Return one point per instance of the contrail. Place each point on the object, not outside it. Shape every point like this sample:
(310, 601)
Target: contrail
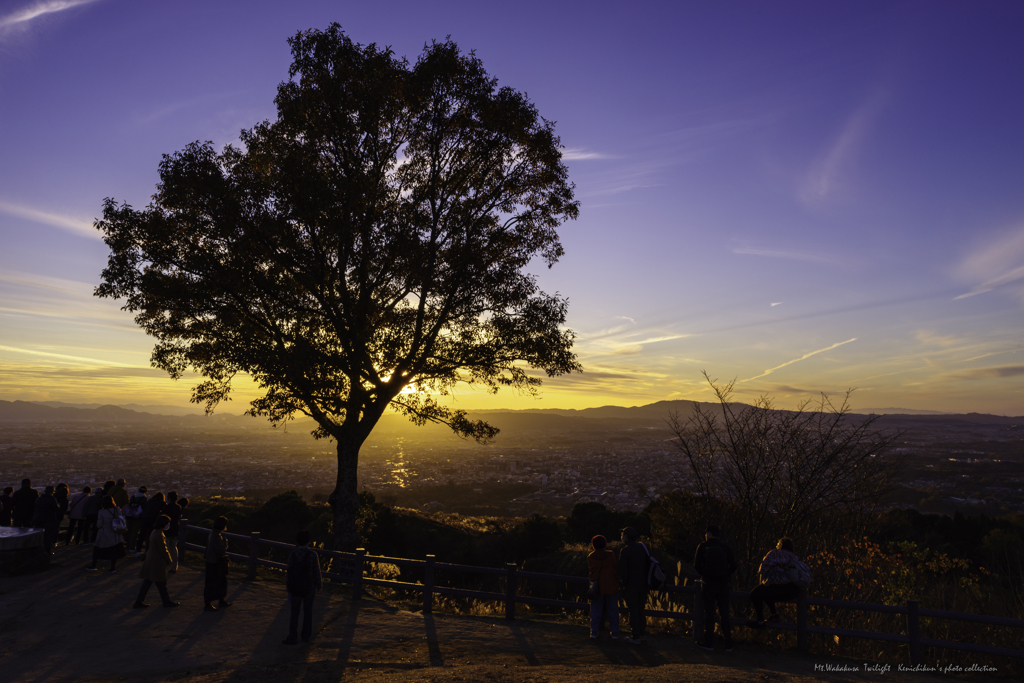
(797, 360)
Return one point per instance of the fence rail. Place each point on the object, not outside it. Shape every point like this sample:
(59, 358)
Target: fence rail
(356, 565)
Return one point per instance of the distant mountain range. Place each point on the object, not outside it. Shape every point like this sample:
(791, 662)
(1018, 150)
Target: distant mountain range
(650, 415)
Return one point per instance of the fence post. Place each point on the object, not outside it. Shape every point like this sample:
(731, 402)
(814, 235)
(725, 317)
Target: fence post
(357, 573)
(801, 620)
(254, 553)
(914, 632)
(182, 539)
(698, 610)
(510, 591)
(428, 585)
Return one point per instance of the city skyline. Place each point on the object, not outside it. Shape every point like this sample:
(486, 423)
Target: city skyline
(801, 197)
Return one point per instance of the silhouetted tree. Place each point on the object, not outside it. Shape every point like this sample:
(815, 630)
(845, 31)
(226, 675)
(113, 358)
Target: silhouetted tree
(366, 250)
(785, 472)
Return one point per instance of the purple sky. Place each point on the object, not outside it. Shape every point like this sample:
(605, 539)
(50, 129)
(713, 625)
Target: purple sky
(803, 196)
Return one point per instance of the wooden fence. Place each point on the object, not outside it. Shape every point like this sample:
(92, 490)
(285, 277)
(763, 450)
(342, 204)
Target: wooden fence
(356, 563)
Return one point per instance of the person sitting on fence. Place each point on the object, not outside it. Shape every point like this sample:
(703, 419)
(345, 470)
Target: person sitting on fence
(109, 544)
(216, 587)
(154, 567)
(777, 581)
(715, 563)
(304, 581)
(604, 587)
(633, 577)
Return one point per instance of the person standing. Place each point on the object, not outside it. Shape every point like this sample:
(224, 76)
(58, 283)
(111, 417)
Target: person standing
(216, 587)
(6, 506)
(109, 543)
(154, 508)
(776, 580)
(24, 500)
(303, 583)
(133, 514)
(45, 514)
(92, 513)
(76, 515)
(715, 563)
(61, 494)
(633, 578)
(603, 578)
(173, 510)
(154, 567)
(119, 494)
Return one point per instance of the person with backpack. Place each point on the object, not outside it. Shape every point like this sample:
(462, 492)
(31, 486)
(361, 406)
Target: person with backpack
(633, 560)
(92, 513)
(303, 583)
(715, 563)
(604, 587)
(780, 580)
(109, 543)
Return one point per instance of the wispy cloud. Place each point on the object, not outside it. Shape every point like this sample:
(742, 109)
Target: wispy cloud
(993, 265)
(580, 154)
(78, 226)
(997, 372)
(777, 303)
(803, 357)
(825, 178)
(783, 254)
(65, 357)
(21, 18)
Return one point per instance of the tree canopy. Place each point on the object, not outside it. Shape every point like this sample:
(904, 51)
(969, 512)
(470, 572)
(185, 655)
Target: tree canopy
(366, 249)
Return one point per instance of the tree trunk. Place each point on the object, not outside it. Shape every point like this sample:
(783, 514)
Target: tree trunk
(345, 498)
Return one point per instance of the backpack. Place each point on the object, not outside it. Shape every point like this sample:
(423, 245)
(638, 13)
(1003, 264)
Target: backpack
(655, 574)
(716, 563)
(119, 524)
(800, 574)
(135, 507)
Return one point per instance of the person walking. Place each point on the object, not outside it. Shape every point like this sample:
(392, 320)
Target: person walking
(604, 587)
(777, 582)
(715, 563)
(303, 583)
(76, 515)
(633, 579)
(216, 587)
(154, 567)
(6, 506)
(109, 543)
(45, 515)
(24, 500)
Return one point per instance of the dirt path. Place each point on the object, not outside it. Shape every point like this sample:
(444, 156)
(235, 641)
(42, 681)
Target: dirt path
(66, 624)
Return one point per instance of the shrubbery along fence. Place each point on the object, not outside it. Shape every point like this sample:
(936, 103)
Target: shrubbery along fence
(354, 565)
